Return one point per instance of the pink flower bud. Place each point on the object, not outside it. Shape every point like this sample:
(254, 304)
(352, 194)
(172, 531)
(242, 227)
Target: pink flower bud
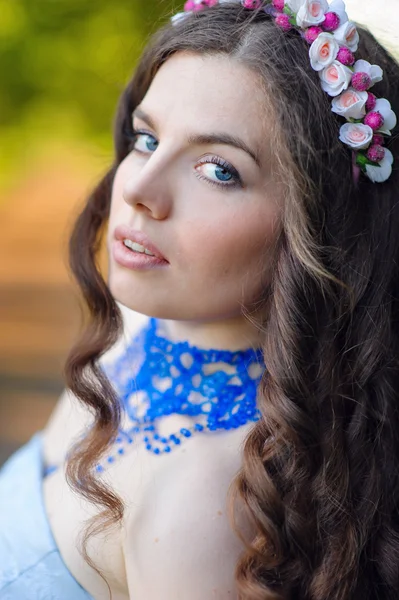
(331, 21)
(283, 21)
(252, 3)
(312, 33)
(195, 6)
(378, 140)
(375, 153)
(371, 101)
(279, 4)
(374, 119)
(345, 56)
(361, 81)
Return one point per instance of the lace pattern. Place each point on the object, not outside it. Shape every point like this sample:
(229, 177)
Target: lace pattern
(156, 377)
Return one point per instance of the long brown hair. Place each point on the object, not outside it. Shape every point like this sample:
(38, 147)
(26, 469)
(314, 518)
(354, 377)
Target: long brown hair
(320, 473)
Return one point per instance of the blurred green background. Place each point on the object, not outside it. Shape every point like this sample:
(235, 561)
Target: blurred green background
(63, 64)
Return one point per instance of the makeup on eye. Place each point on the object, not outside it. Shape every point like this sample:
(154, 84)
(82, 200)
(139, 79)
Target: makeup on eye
(223, 167)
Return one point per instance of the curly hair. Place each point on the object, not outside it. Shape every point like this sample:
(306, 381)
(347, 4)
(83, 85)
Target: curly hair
(320, 472)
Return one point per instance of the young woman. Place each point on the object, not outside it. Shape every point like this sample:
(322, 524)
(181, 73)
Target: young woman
(251, 218)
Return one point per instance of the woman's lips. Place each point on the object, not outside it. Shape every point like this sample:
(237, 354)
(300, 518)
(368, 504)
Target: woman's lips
(135, 260)
(124, 232)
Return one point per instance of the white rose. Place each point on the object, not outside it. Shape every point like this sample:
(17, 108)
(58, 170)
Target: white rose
(347, 35)
(338, 6)
(384, 107)
(311, 13)
(335, 78)
(383, 172)
(373, 71)
(323, 51)
(294, 5)
(351, 104)
(356, 135)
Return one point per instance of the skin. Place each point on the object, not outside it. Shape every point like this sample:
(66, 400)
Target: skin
(219, 241)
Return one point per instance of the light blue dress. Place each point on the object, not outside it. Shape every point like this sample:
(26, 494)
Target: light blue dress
(31, 567)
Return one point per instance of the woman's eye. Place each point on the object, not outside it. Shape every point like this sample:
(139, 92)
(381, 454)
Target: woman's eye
(218, 172)
(213, 170)
(141, 141)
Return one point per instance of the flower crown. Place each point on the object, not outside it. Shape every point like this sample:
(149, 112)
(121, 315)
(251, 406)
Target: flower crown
(333, 41)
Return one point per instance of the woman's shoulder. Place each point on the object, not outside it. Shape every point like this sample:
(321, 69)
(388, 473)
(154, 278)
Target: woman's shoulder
(69, 419)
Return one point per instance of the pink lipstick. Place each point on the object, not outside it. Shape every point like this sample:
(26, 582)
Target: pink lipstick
(134, 249)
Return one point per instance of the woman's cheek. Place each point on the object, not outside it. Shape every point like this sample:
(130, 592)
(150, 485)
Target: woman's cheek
(225, 250)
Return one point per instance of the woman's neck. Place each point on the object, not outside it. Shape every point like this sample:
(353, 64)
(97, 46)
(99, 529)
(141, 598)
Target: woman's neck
(235, 333)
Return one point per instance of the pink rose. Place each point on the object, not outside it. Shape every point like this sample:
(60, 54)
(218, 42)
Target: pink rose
(323, 51)
(356, 135)
(347, 35)
(312, 12)
(335, 78)
(350, 104)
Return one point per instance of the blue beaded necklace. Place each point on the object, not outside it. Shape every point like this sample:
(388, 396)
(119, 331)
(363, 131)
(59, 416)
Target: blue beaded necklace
(216, 389)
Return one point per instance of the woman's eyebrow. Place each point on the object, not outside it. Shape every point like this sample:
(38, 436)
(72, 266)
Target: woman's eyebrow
(205, 138)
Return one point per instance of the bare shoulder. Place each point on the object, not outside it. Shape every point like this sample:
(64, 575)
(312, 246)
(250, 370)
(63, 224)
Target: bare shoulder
(70, 418)
(182, 530)
(66, 423)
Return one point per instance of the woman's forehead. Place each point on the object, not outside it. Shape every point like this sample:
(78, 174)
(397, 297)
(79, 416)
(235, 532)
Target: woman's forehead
(210, 81)
(205, 93)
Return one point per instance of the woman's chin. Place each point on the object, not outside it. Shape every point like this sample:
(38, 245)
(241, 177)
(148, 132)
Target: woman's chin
(139, 301)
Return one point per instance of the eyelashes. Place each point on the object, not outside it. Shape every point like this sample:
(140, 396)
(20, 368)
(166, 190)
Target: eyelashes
(223, 168)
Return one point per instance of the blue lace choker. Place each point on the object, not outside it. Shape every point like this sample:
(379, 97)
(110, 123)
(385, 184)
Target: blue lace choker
(156, 377)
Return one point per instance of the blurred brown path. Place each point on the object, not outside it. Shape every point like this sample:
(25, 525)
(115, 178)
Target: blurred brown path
(39, 314)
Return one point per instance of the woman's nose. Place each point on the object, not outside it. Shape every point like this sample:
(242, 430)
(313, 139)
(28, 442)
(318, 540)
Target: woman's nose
(149, 192)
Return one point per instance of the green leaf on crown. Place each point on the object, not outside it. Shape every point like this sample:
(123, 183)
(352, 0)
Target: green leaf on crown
(362, 161)
(289, 12)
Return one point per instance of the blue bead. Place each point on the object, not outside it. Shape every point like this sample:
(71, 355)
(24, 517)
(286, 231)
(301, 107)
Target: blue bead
(156, 436)
(111, 459)
(121, 451)
(167, 449)
(148, 446)
(198, 427)
(156, 451)
(185, 432)
(99, 468)
(146, 438)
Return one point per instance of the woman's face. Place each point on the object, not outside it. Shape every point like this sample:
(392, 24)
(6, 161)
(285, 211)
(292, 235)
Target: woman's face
(210, 206)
